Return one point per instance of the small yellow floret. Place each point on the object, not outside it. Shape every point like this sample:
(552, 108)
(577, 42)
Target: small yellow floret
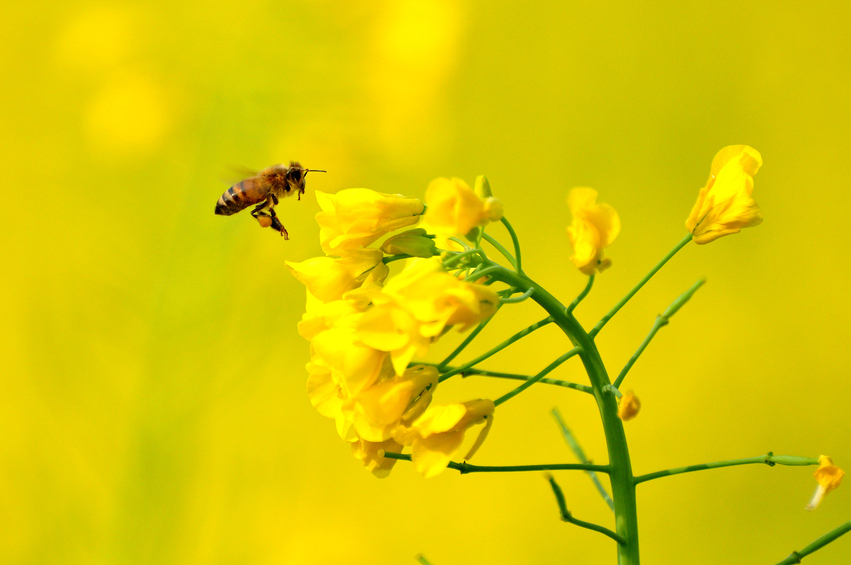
(724, 206)
(595, 226)
(455, 209)
(828, 476)
(628, 406)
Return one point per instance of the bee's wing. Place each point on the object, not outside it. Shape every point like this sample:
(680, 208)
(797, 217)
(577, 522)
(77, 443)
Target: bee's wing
(235, 174)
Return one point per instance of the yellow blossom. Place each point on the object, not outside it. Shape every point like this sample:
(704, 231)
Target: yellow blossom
(455, 209)
(356, 217)
(829, 476)
(724, 205)
(389, 327)
(595, 227)
(438, 434)
(353, 365)
(414, 308)
(438, 299)
(628, 406)
(327, 396)
(371, 454)
(319, 316)
(328, 278)
(378, 409)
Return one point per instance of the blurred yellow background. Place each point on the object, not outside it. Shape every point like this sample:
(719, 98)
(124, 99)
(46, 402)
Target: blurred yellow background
(153, 405)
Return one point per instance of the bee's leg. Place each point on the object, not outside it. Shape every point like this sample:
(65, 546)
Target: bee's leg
(263, 217)
(277, 225)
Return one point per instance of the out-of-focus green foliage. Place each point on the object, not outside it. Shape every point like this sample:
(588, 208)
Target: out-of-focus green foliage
(152, 389)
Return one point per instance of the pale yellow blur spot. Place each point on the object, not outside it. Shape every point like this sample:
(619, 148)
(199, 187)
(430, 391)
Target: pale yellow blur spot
(128, 116)
(416, 54)
(96, 40)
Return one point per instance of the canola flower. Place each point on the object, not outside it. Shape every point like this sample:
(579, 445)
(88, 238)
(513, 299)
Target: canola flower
(724, 205)
(595, 227)
(371, 322)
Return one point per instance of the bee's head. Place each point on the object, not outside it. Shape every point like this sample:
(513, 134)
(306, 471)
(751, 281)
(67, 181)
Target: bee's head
(296, 174)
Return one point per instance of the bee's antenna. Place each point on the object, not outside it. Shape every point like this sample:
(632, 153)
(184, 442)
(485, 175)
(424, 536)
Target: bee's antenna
(313, 170)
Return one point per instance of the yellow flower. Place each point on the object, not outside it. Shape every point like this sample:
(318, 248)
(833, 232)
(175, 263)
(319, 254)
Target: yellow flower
(327, 396)
(371, 454)
(319, 316)
(595, 226)
(455, 209)
(438, 299)
(356, 217)
(377, 410)
(829, 476)
(353, 365)
(328, 278)
(628, 406)
(390, 328)
(724, 205)
(414, 308)
(438, 434)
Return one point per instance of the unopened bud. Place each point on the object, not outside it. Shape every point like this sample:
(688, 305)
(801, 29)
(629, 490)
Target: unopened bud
(412, 242)
(483, 187)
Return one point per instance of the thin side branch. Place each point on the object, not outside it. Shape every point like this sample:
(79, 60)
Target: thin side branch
(568, 517)
(769, 459)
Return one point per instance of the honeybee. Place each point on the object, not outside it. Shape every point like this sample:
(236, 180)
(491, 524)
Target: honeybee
(265, 189)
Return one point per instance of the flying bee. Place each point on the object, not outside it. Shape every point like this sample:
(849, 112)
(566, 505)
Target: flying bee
(265, 189)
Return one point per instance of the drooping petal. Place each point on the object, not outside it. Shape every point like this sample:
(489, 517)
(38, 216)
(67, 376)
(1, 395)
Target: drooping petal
(724, 205)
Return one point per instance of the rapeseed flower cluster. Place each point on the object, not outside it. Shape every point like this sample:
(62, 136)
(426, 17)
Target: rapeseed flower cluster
(366, 327)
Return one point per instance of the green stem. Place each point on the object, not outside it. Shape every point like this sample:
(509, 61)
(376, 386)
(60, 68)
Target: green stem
(442, 365)
(516, 242)
(568, 517)
(423, 561)
(581, 296)
(519, 335)
(549, 368)
(461, 243)
(769, 459)
(518, 299)
(577, 450)
(498, 246)
(458, 256)
(796, 556)
(623, 489)
(661, 321)
(477, 274)
(657, 325)
(510, 376)
(391, 258)
(465, 468)
(605, 319)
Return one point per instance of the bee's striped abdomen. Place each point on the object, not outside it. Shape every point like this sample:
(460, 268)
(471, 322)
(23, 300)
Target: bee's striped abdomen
(236, 198)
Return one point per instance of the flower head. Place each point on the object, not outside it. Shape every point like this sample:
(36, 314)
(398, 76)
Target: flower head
(438, 434)
(595, 226)
(829, 476)
(628, 406)
(724, 205)
(328, 278)
(377, 410)
(356, 217)
(455, 209)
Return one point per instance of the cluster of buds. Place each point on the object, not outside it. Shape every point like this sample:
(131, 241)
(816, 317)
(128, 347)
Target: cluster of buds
(366, 327)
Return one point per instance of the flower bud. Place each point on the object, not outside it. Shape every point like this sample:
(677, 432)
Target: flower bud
(412, 242)
(483, 187)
